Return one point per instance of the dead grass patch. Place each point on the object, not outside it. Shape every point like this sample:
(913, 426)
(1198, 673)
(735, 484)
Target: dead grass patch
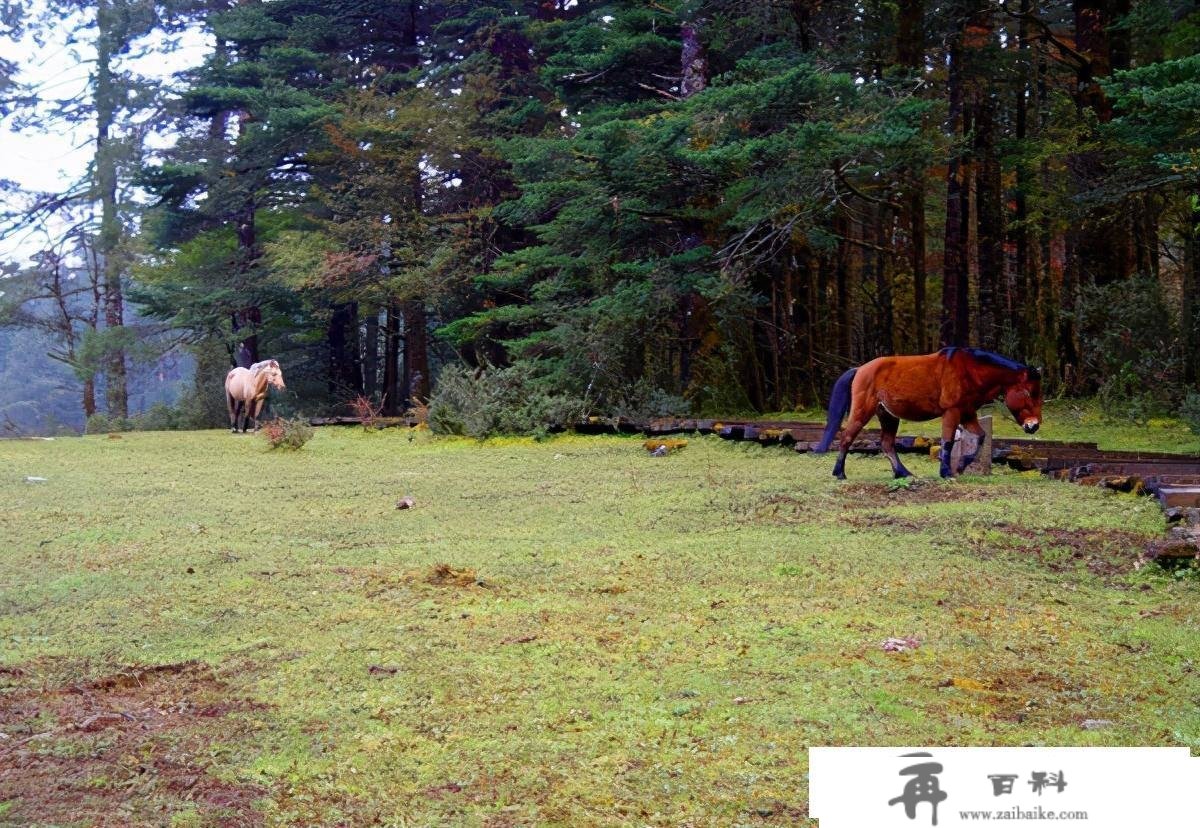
(444, 574)
(919, 491)
(1105, 553)
(129, 748)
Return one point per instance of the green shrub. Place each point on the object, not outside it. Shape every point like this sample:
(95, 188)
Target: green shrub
(484, 402)
(1190, 411)
(203, 405)
(290, 434)
(1131, 344)
(1123, 396)
(101, 423)
(159, 417)
(641, 401)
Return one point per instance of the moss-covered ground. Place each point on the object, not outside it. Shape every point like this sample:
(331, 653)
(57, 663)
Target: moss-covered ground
(615, 639)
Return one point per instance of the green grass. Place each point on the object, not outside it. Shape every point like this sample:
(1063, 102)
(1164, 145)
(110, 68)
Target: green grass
(652, 641)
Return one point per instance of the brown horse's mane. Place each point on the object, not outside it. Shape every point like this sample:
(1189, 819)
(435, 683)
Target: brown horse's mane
(992, 358)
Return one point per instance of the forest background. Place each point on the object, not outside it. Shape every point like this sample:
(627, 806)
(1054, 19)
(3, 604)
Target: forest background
(528, 212)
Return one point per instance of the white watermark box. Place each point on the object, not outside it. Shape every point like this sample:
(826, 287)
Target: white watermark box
(1100, 787)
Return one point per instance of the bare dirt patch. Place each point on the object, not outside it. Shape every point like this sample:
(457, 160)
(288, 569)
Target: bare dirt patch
(444, 574)
(918, 491)
(1104, 552)
(130, 748)
(1014, 695)
(881, 520)
(780, 509)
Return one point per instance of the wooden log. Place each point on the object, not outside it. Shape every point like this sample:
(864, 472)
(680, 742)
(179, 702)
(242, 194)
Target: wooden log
(379, 422)
(966, 442)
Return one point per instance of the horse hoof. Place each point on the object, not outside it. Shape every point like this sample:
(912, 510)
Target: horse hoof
(903, 473)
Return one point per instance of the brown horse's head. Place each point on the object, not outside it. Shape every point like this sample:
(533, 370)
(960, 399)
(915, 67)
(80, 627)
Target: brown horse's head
(270, 369)
(1024, 400)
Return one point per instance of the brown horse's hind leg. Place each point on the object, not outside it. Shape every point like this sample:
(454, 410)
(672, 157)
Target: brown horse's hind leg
(858, 419)
(231, 404)
(890, 425)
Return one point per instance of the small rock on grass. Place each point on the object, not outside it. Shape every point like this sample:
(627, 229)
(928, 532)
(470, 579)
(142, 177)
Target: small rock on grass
(900, 645)
(1096, 724)
(405, 503)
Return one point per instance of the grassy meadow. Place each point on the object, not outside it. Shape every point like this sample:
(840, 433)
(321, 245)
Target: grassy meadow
(197, 631)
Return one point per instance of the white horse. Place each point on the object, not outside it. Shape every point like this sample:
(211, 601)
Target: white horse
(246, 391)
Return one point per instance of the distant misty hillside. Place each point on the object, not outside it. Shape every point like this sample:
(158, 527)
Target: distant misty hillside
(39, 395)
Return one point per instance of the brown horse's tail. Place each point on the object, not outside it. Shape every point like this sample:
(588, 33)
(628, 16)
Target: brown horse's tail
(839, 407)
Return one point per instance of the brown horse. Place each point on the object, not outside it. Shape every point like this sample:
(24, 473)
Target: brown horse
(951, 384)
(246, 391)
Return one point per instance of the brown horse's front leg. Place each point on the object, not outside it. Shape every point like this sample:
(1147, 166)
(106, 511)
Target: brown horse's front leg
(950, 422)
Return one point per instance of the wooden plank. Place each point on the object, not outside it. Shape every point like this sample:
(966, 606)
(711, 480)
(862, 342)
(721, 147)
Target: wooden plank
(380, 422)
(1184, 496)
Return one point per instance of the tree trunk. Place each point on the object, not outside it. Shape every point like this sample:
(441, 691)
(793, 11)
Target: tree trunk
(693, 63)
(801, 11)
(108, 42)
(371, 354)
(885, 313)
(955, 266)
(345, 375)
(910, 34)
(1102, 250)
(916, 219)
(1146, 212)
(693, 60)
(248, 318)
(989, 213)
(391, 360)
(416, 352)
(847, 283)
(1190, 317)
(1021, 278)
(910, 53)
